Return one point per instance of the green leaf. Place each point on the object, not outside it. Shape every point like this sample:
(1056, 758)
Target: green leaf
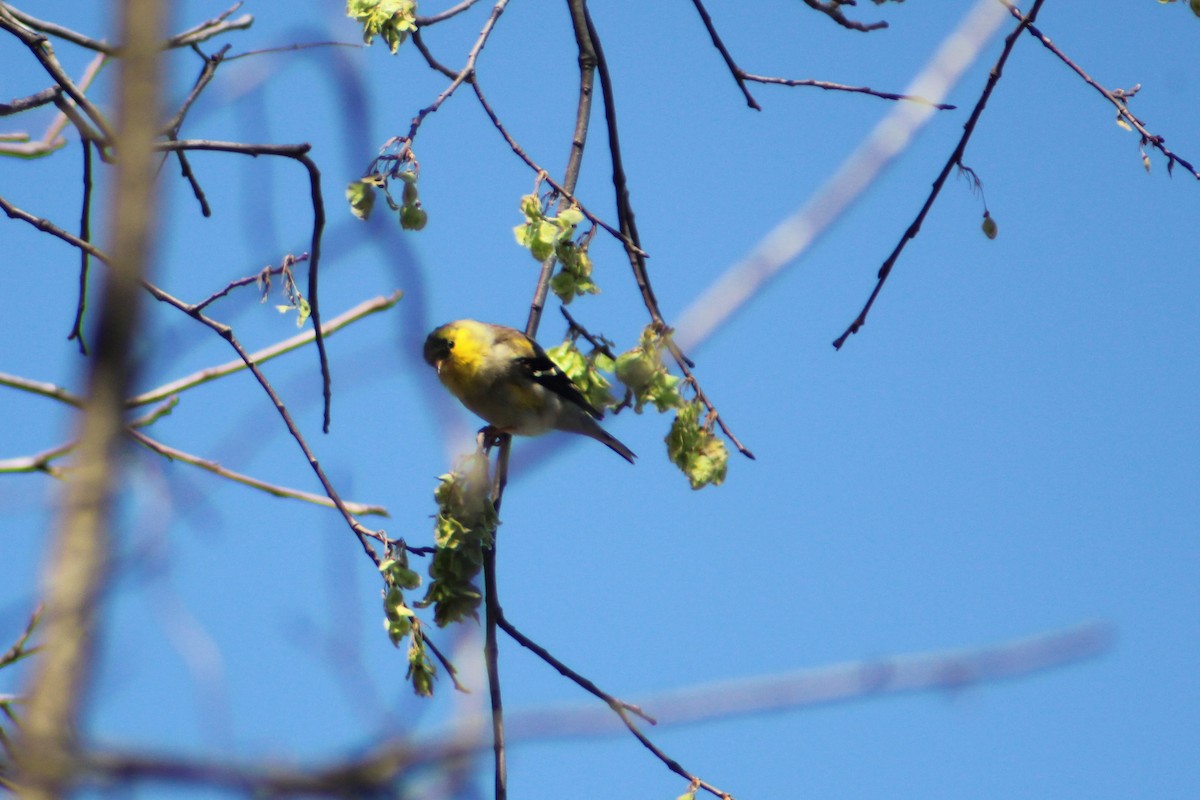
(361, 197)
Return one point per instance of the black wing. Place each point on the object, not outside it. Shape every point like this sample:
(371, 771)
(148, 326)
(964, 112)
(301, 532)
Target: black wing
(543, 370)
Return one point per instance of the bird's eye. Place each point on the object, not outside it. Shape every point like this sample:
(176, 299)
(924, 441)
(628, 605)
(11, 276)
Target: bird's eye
(450, 344)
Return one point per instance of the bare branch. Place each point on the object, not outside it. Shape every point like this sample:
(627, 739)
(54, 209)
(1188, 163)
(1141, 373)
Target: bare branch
(260, 357)
(789, 239)
(1120, 101)
(433, 19)
(954, 159)
(39, 45)
(833, 10)
(173, 454)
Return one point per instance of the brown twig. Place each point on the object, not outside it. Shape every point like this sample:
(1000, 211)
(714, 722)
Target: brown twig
(22, 104)
(38, 462)
(291, 48)
(299, 153)
(85, 233)
(58, 31)
(625, 217)
(210, 28)
(620, 707)
(737, 72)
(225, 332)
(1118, 99)
(433, 19)
(275, 490)
(954, 159)
(841, 87)
(40, 46)
(463, 75)
(833, 10)
(583, 114)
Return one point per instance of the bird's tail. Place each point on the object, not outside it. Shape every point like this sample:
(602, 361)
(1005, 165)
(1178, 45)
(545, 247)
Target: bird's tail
(601, 435)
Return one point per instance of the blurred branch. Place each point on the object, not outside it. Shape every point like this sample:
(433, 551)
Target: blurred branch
(79, 552)
(948, 671)
(203, 376)
(1119, 99)
(52, 140)
(40, 46)
(401, 758)
(795, 234)
(955, 159)
(38, 462)
(41, 388)
(275, 490)
(361, 532)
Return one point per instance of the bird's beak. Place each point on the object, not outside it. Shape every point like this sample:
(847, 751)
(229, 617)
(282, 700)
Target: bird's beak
(437, 366)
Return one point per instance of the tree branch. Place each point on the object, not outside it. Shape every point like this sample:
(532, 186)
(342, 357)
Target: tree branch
(78, 556)
(954, 159)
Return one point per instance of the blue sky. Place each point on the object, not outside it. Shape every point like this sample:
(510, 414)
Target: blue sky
(1007, 447)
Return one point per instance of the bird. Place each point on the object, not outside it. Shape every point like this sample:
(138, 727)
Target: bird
(506, 378)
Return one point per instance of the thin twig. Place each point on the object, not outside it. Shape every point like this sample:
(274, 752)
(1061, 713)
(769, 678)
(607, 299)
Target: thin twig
(22, 104)
(262, 356)
(797, 232)
(58, 31)
(41, 388)
(738, 74)
(833, 10)
(362, 533)
(433, 19)
(38, 462)
(629, 228)
(841, 87)
(291, 48)
(210, 28)
(583, 114)
(620, 707)
(954, 159)
(299, 153)
(40, 46)
(18, 649)
(1120, 102)
(85, 233)
(174, 454)
(288, 262)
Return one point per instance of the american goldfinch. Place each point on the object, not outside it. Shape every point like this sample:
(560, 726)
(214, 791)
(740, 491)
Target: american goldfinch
(505, 377)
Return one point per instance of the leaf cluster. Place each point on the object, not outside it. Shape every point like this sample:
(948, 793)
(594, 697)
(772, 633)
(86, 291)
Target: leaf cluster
(360, 194)
(393, 20)
(466, 523)
(545, 236)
